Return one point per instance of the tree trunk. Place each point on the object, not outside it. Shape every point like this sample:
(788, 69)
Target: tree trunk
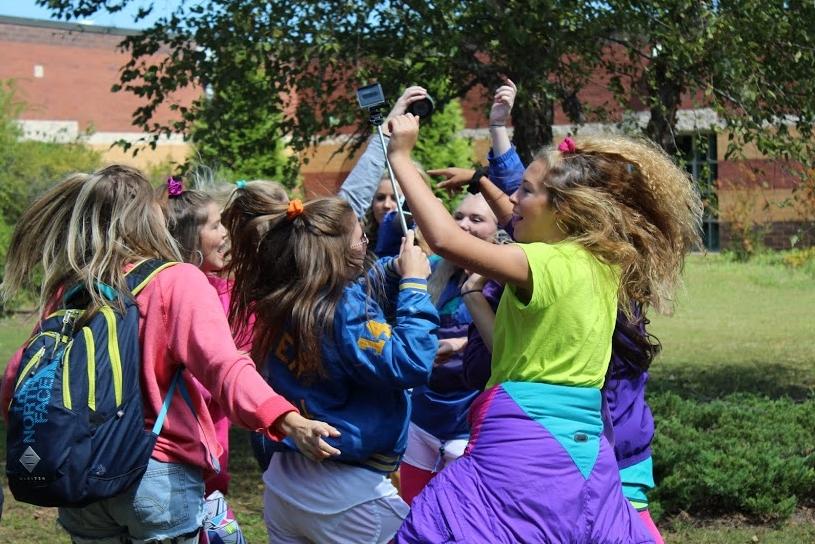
(665, 96)
(532, 119)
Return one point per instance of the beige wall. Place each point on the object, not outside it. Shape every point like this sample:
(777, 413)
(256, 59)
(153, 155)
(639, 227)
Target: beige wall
(147, 157)
(328, 159)
(760, 205)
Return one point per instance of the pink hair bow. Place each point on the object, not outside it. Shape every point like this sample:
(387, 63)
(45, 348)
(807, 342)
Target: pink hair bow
(567, 146)
(174, 187)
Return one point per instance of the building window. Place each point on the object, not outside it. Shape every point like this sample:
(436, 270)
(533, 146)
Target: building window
(698, 152)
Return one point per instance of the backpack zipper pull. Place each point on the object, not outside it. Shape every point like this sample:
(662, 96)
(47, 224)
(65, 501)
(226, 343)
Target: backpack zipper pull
(68, 321)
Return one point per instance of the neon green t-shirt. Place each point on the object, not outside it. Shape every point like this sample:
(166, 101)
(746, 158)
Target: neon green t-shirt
(562, 335)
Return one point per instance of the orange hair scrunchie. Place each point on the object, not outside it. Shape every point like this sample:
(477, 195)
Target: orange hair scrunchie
(295, 208)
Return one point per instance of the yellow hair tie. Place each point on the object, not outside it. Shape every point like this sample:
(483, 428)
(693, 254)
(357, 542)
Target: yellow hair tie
(295, 208)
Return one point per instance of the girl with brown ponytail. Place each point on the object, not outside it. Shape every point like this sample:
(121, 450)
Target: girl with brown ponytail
(321, 338)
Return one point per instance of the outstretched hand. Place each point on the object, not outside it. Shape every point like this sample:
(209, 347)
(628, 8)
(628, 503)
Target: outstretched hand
(454, 178)
(502, 103)
(411, 95)
(308, 435)
(404, 131)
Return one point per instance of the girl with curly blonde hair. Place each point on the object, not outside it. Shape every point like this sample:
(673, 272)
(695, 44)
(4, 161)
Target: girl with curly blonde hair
(602, 223)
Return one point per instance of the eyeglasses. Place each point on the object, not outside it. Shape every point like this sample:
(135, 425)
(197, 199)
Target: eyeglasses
(362, 242)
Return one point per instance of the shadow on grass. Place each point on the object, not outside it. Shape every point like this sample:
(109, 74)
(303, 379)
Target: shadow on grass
(772, 380)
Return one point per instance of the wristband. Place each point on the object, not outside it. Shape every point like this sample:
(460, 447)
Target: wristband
(475, 182)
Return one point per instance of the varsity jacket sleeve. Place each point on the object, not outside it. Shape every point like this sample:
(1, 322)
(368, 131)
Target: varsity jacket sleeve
(359, 187)
(506, 171)
(374, 352)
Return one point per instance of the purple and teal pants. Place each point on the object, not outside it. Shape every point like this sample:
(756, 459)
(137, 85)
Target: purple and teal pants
(538, 469)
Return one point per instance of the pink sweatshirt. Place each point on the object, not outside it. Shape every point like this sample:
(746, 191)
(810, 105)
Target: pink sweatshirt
(220, 421)
(183, 324)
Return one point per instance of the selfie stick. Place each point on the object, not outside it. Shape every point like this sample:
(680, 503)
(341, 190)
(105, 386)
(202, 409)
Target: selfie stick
(377, 120)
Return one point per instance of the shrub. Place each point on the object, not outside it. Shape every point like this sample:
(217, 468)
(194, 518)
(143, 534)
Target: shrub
(800, 258)
(440, 145)
(740, 454)
(29, 168)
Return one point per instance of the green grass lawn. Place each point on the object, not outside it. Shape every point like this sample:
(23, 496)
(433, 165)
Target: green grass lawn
(13, 332)
(737, 327)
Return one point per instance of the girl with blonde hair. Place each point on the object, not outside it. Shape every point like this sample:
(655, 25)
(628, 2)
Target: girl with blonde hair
(601, 223)
(89, 231)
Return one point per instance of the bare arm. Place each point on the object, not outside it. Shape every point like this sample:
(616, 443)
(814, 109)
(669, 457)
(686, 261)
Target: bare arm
(483, 317)
(499, 115)
(503, 263)
(480, 310)
(497, 199)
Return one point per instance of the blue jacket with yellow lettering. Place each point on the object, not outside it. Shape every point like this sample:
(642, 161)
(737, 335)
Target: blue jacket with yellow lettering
(369, 365)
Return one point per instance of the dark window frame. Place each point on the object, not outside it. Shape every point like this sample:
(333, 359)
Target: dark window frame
(698, 152)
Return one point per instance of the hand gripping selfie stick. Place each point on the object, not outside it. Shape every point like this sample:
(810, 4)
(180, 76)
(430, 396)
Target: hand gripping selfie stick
(372, 99)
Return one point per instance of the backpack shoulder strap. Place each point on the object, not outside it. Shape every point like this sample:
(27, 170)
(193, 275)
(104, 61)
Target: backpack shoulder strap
(138, 278)
(178, 382)
(168, 398)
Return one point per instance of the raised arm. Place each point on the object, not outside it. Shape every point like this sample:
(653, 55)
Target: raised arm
(392, 356)
(359, 187)
(503, 263)
(499, 115)
(505, 167)
(497, 199)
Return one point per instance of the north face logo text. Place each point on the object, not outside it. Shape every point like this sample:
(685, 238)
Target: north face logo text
(35, 395)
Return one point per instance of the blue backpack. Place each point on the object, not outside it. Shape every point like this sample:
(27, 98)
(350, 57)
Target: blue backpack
(76, 432)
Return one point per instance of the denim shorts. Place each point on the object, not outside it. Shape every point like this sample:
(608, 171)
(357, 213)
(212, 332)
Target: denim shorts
(166, 506)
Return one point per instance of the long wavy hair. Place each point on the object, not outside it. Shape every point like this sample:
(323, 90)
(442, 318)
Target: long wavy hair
(627, 203)
(86, 229)
(288, 273)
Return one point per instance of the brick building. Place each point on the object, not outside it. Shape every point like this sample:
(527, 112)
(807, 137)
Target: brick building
(64, 73)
